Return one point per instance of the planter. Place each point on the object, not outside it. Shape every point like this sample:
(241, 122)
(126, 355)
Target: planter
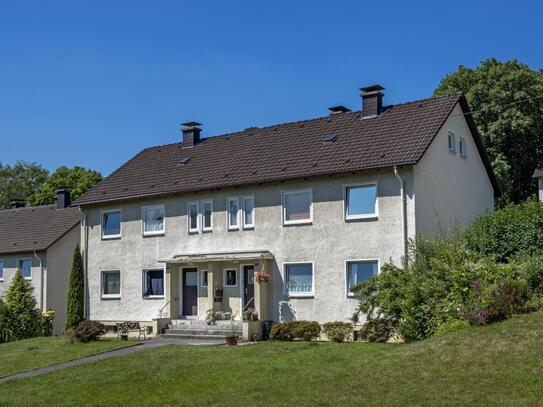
(231, 340)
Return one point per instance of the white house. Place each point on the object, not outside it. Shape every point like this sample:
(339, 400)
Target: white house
(538, 174)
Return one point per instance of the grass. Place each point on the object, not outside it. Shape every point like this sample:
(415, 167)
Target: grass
(39, 352)
(500, 364)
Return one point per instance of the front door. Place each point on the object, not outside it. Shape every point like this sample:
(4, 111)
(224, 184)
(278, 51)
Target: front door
(248, 287)
(190, 291)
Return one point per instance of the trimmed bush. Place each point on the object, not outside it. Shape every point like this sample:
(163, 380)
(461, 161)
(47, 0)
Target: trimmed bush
(338, 331)
(24, 318)
(292, 330)
(377, 330)
(86, 331)
(75, 291)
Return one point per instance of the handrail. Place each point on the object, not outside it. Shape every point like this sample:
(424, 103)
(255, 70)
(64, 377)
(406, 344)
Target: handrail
(248, 302)
(165, 305)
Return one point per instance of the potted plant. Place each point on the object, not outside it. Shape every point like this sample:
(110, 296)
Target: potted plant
(250, 315)
(232, 340)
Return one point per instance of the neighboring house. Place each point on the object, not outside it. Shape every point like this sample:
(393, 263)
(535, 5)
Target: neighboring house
(538, 173)
(319, 204)
(40, 241)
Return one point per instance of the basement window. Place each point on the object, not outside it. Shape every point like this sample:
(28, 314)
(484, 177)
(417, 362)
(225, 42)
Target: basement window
(153, 283)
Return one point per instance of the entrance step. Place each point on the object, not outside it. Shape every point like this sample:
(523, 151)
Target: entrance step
(221, 332)
(193, 337)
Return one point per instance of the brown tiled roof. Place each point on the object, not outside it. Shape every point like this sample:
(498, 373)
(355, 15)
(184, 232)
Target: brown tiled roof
(539, 170)
(34, 228)
(398, 136)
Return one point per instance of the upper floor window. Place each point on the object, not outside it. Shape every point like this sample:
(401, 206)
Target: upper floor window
(233, 209)
(153, 283)
(25, 265)
(299, 279)
(248, 212)
(111, 284)
(153, 220)
(361, 201)
(111, 224)
(297, 207)
(452, 142)
(462, 146)
(194, 217)
(360, 270)
(207, 215)
(1, 270)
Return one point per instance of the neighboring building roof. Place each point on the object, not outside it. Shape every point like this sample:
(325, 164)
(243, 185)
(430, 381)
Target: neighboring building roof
(34, 228)
(398, 136)
(539, 170)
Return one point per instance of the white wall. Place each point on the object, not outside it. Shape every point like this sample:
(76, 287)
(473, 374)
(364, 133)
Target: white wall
(449, 188)
(11, 262)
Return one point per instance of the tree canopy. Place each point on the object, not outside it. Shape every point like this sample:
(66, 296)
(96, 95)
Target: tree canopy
(507, 101)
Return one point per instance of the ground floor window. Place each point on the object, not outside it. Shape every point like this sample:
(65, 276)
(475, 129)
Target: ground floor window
(360, 270)
(299, 279)
(230, 278)
(111, 284)
(153, 283)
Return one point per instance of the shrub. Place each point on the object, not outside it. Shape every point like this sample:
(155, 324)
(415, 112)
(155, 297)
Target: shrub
(47, 319)
(451, 325)
(506, 299)
(24, 317)
(86, 331)
(338, 331)
(289, 331)
(530, 269)
(509, 231)
(6, 334)
(75, 291)
(377, 330)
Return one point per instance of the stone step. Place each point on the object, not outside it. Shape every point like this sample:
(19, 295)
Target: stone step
(203, 326)
(222, 332)
(199, 337)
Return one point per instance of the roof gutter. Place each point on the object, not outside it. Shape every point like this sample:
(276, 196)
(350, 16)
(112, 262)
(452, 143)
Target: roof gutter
(404, 211)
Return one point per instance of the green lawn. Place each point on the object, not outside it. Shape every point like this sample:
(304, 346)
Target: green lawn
(38, 352)
(501, 364)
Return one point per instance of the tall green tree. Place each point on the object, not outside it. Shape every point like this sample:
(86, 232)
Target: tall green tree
(507, 101)
(77, 179)
(75, 291)
(24, 317)
(20, 181)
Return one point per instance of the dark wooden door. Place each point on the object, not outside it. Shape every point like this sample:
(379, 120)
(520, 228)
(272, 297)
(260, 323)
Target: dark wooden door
(248, 287)
(190, 291)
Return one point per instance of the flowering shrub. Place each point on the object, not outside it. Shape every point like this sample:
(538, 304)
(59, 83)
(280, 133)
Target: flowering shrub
(47, 318)
(262, 276)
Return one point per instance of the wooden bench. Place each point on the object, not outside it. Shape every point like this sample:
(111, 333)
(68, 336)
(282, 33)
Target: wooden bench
(123, 328)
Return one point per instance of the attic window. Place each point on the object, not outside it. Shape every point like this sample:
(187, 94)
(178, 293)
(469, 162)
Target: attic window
(330, 138)
(184, 160)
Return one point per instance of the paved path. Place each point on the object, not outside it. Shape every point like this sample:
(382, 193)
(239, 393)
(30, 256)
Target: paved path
(152, 343)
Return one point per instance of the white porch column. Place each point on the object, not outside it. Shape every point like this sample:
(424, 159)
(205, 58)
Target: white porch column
(212, 283)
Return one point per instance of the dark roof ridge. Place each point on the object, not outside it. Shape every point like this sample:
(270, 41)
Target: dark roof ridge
(26, 208)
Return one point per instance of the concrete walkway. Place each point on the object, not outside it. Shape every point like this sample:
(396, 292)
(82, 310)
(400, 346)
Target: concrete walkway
(151, 343)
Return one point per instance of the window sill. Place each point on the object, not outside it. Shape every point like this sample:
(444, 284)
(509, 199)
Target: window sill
(362, 218)
(28, 278)
(298, 223)
(207, 230)
(248, 228)
(230, 229)
(301, 296)
(112, 297)
(112, 237)
(153, 297)
(153, 234)
(193, 232)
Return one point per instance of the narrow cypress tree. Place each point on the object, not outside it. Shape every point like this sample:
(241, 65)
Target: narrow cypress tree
(24, 317)
(76, 295)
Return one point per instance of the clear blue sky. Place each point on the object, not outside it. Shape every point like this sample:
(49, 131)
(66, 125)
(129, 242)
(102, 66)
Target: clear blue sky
(93, 82)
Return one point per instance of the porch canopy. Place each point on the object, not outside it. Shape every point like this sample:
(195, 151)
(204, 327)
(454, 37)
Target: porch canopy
(233, 256)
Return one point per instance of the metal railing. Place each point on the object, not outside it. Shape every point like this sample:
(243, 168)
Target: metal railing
(161, 311)
(246, 305)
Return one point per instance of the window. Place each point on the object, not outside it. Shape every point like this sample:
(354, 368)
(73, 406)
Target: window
(1, 270)
(111, 224)
(297, 207)
(207, 209)
(361, 201)
(230, 277)
(462, 146)
(233, 213)
(193, 217)
(358, 271)
(111, 284)
(248, 212)
(204, 278)
(452, 142)
(153, 220)
(153, 283)
(299, 279)
(26, 268)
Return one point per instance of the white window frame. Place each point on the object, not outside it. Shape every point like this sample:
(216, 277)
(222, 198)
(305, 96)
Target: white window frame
(157, 233)
(246, 225)
(285, 280)
(204, 228)
(197, 229)
(368, 216)
(102, 285)
(228, 225)
(349, 294)
(451, 135)
(462, 150)
(202, 278)
(143, 282)
(284, 208)
(224, 276)
(102, 223)
(2, 268)
(18, 265)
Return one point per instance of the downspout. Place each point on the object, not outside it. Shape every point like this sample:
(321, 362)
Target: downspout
(85, 260)
(42, 283)
(404, 211)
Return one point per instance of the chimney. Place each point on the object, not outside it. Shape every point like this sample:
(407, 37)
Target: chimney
(63, 198)
(338, 110)
(191, 134)
(372, 101)
(17, 203)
